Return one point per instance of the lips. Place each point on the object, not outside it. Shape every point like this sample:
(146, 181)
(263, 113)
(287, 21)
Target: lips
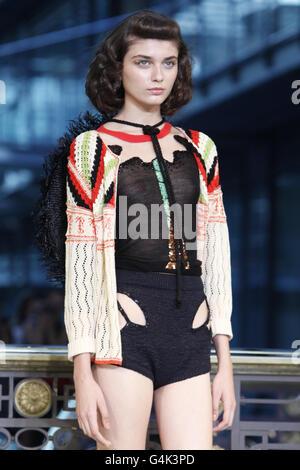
(156, 89)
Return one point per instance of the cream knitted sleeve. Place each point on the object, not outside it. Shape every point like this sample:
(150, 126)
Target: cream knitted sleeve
(217, 258)
(80, 244)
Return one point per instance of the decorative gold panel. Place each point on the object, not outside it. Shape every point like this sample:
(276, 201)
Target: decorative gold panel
(33, 398)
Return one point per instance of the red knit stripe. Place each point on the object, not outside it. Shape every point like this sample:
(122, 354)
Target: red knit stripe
(215, 182)
(195, 136)
(72, 152)
(136, 138)
(195, 139)
(107, 361)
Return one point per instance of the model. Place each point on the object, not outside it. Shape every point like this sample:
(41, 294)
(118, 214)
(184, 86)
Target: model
(147, 255)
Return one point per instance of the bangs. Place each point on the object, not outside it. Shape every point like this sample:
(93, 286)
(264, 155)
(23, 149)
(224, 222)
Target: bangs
(154, 27)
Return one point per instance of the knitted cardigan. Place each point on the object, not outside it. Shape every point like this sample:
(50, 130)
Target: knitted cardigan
(90, 304)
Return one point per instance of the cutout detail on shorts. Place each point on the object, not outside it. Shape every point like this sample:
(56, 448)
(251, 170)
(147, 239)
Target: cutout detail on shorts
(202, 316)
(130, 311)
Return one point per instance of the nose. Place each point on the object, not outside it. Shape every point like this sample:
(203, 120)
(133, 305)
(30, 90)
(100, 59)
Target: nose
(157, 73)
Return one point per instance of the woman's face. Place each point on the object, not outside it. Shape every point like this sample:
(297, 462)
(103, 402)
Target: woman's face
(150, 63)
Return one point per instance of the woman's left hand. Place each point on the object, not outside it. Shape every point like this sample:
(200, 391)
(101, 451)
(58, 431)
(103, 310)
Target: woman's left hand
(223, 389)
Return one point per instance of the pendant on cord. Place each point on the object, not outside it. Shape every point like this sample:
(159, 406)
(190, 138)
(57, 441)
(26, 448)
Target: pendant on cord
(172, 254)
(164, 194)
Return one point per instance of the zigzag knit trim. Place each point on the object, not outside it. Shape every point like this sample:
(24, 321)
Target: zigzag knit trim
(213, 181)
(194, 135)
(101, 171)
(211, 177)
(77, 184)
(97, 169)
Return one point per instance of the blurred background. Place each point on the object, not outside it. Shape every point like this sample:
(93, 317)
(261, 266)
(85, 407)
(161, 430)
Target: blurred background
(246, 78)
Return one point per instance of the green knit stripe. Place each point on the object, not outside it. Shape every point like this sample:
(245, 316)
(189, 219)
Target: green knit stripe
(85, 156)
(201, 198)
(163, 189)
(109, 167)
(207, 149)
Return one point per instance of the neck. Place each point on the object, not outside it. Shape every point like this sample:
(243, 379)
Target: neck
(148, 120)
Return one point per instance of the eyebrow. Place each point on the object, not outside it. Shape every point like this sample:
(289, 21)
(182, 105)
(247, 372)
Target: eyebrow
(149, 57)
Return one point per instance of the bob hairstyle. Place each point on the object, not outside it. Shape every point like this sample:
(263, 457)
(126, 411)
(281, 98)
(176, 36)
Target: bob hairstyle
(103, 83)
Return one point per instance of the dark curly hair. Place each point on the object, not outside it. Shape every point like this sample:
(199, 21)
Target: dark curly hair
(103, 83)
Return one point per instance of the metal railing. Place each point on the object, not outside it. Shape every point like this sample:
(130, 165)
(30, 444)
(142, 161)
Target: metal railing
(37, 401)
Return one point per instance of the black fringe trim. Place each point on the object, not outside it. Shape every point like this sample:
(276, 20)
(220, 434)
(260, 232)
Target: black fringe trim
(49, 215)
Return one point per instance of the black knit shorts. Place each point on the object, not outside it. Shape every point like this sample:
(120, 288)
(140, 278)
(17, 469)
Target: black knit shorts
(166, 347)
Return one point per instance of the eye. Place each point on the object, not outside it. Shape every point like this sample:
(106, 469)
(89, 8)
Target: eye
(140, 61)
(147, 61)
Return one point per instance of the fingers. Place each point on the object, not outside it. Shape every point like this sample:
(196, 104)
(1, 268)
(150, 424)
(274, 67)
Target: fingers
(84, 426)
(96, 433)
(219, 392)
(215, 411)
(103, 413)
(227, 418)
(90, 427)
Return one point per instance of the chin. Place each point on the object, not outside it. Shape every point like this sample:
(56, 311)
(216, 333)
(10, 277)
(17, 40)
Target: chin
(157, 98)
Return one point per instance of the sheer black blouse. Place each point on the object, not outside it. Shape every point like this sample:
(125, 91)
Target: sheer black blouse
(141, 236)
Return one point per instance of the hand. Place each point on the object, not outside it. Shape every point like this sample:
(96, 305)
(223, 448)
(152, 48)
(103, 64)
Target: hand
(223, 389)
(89, 401)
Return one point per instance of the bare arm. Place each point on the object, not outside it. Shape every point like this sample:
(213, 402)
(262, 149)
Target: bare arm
(82, 367)
(89, 399)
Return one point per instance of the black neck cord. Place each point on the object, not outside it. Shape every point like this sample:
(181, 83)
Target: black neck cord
(153, 131)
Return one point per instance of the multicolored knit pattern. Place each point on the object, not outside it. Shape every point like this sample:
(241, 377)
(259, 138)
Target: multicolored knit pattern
(91, 310)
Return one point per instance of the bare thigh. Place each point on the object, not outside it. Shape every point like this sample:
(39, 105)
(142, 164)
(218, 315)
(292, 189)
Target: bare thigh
(184, 408)
(128, 395)
(184, 414)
